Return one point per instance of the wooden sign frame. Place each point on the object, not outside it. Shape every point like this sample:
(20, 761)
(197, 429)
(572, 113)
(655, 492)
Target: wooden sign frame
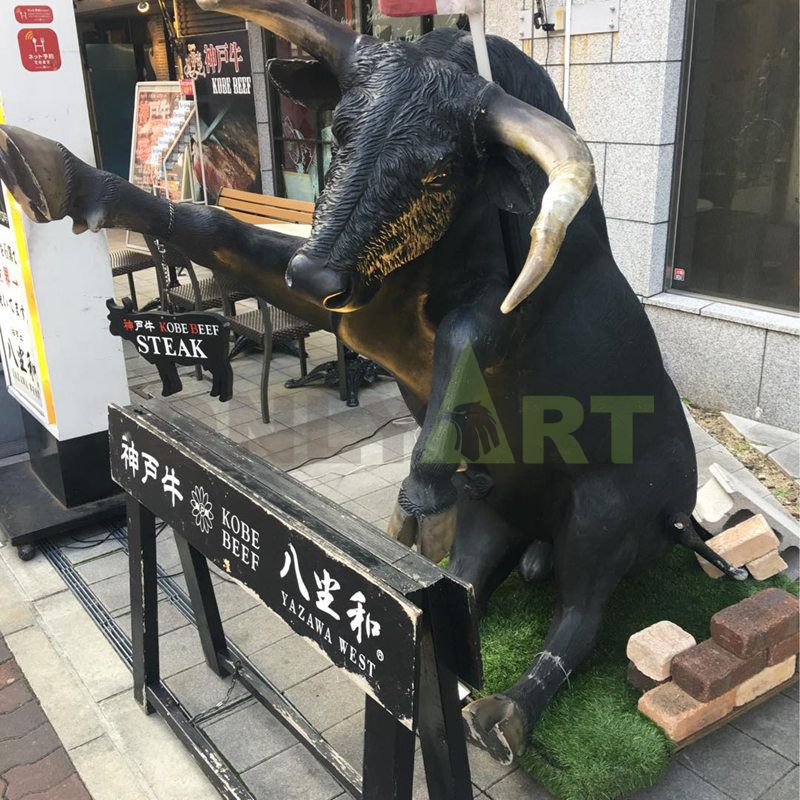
(409, 626)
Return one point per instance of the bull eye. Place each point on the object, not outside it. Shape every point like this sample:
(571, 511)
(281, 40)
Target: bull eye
(435, 180)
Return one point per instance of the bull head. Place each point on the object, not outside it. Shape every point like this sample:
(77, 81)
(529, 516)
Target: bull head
(406, 131)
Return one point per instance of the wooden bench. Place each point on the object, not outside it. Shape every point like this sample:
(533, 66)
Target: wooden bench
(263, 208)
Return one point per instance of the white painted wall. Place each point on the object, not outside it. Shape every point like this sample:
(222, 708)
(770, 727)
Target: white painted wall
(71, 274)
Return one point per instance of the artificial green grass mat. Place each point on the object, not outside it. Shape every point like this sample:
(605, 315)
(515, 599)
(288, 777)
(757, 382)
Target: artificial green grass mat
(592, 743)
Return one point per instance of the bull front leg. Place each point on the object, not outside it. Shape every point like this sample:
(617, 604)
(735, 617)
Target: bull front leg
(51, 183)
(477, 334)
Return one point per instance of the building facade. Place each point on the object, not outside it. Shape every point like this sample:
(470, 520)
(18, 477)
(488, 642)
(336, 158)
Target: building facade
(690, 110)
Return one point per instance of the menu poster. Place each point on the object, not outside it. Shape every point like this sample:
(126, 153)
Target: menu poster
(163, 119)
(21, 344)
(219, 64)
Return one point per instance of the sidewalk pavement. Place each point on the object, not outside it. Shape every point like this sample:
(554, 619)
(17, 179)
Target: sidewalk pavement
(33, 762)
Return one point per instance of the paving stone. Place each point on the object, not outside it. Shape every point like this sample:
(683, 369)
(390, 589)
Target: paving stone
(485, 770)
(766, 566)
(347, 738)
(13, 696)
(741, 544)
(21, 720)
(518, 786)
(736, 764)
(169, 618)
(708, 670)
(232, 599)
(5, 653)
(76, 636)
(92, 542)
(756, 623)
(678, 714)
(679, 783)
(289, 661)
(31, 777)
(783, 650)
(9, 673)
(70, 788)
(653, 648)
(35, 744)
(148, 742)
(774, 724)
(292, 775)
(327, 698)
(106, 772)
(767, 679)
(256, 628)
(63, 698)
(114, 593)
(179, 650)
(788, 459)
(199, 688)
(104, 566)
(639, 680)
(249, 735)
(787, 788)
(793, 693)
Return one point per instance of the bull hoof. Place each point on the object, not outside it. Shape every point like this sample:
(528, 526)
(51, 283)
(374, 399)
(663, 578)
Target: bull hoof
(432, 534)
(35, 172)
(496, 724)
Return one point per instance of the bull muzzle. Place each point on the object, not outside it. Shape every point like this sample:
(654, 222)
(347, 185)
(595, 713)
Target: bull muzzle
(337, 290)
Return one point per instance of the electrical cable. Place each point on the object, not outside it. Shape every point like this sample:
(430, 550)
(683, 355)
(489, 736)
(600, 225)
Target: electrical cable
(350, 444)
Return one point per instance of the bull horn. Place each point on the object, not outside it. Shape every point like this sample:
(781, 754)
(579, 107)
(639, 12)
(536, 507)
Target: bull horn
(566, 161)
(322, 37)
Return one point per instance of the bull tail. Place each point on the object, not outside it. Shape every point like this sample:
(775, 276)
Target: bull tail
(689, 533)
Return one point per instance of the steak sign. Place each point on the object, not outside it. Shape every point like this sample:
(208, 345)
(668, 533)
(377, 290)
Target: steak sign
(362, 625)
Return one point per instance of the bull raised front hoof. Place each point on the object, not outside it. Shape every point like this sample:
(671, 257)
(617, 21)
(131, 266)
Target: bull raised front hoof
(433, 534)
(36, 173)
(496, 724)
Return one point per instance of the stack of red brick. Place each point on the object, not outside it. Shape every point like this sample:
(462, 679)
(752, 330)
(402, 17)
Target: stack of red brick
(688, 687)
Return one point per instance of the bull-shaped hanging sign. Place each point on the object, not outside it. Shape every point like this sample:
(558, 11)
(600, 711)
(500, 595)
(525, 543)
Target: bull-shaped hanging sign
(171, 340)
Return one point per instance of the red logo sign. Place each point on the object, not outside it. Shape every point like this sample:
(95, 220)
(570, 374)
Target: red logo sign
(38, 48)
(33, 15)
(679, 274)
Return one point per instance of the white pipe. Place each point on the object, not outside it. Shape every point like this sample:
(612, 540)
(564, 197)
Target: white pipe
(567, 50)
(476, 26)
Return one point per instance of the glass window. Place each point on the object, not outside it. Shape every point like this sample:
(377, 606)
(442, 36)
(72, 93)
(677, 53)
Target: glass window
(736, 227)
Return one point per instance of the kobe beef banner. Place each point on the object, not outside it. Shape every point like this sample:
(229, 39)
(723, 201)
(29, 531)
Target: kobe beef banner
(219, 64)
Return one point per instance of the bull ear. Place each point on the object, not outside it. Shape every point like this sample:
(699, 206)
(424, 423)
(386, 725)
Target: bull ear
(510, 183)
(305, 81)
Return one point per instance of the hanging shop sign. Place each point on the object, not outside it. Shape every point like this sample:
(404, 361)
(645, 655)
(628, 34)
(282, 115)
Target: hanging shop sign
(219, 65)
(20, 338)
(171, 340)
(164, 127)
(39, 50)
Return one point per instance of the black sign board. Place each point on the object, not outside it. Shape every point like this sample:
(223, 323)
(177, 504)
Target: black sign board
(359, 623)
(168, 340)
(219, 65)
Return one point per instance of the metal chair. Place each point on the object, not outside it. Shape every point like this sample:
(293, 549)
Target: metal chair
(265, 326)
(126, 261)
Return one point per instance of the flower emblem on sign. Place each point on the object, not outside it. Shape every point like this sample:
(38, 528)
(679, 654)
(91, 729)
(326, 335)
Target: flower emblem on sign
(202, 510)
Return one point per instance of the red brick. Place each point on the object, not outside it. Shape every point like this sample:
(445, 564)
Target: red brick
(756, 623)
(640, 681)
(70, 789)
(13, 696)
(783, 650)
(708, 670)
(31, 747)
(21, 721)
(678, 714)
(46, 773)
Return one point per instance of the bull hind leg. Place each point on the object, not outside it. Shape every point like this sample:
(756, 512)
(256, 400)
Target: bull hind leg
(593, 549)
